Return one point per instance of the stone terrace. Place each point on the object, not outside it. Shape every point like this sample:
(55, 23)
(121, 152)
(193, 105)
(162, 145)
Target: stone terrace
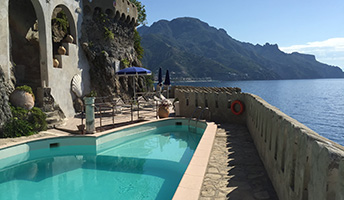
(235, 170)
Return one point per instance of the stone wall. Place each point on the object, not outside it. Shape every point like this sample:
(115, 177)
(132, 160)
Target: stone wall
(218, 100)
(5, 110)
(301, 164)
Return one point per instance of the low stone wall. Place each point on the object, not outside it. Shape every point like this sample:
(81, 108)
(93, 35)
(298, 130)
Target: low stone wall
(301, 164)
(218, 100)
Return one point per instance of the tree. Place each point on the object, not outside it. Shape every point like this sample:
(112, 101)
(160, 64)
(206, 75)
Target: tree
(141, 12)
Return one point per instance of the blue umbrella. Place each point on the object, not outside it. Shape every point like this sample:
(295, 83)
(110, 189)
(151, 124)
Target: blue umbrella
(133, 71)
(160, 77)
(167, 81)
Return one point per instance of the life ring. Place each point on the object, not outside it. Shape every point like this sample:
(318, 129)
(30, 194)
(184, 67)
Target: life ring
(241, 107)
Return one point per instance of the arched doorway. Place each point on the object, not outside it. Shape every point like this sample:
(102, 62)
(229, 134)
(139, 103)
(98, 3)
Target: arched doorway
(24, 43)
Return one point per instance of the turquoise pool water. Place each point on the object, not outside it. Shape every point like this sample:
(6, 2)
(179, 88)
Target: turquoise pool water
(146, 165)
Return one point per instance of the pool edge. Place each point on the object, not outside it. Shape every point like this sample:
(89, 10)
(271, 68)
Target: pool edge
(191, 183)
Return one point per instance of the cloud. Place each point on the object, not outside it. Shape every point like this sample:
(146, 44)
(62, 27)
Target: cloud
(330, 51)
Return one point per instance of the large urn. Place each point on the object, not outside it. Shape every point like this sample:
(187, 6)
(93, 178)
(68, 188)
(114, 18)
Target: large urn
(21, 98)
(163, 111)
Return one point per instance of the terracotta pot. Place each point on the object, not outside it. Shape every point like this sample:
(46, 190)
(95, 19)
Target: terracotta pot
(56, 63)
(62, 50)
(163, 111)
(20, 98)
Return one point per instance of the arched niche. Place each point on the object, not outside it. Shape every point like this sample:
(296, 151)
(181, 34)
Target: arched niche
(27, 42)
(127, 21)
(110, 13)
(61, 11)
(122, 17)
(64, 33)
(117, 16)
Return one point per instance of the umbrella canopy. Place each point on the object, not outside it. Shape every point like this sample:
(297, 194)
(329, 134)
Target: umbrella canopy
(133, 71)
(160, 77)
(167, 78)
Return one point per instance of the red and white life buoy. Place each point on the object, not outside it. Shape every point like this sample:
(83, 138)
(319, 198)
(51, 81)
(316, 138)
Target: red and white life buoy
(241, 110)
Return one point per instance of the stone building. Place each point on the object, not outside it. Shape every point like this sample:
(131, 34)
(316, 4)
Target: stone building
(28, 47)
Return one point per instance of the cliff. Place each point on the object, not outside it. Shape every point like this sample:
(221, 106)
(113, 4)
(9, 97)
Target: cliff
(191, 48)
(107, 43)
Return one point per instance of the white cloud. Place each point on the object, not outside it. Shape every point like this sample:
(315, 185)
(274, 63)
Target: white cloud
(330, 51)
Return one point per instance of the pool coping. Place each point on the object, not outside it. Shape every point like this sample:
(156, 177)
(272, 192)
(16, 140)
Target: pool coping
(191, 183)
(192, 180)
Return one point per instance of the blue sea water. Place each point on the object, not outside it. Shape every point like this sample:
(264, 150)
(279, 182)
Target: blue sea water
(317, 103)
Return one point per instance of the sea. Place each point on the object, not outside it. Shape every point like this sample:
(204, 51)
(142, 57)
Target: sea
(317, 103)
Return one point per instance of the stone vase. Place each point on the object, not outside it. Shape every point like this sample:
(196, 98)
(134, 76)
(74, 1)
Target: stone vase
(163, 111)
(69, 39)
(61, 50)
(20, 98)
(56, 63)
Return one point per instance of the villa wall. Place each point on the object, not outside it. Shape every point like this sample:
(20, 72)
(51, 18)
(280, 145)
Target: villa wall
(75, 62)
(301, 164)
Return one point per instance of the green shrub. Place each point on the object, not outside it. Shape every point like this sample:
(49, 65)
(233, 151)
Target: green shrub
(37, 119)
(137, 45)
(109, 35)
(16, 128)
(62, 21)
(93, 93)
(27, 89)
(125, 62)
(25, 122)
(19, 112)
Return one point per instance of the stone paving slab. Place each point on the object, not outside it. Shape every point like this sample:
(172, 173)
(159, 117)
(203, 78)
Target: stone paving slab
(235, 170)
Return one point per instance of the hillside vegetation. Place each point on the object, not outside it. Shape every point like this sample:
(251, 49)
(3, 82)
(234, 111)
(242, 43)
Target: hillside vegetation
(191, 48)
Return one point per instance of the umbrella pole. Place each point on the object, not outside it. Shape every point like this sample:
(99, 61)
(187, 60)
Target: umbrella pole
(134, 86)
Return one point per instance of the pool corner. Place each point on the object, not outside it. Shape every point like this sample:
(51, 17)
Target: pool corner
(191, 183)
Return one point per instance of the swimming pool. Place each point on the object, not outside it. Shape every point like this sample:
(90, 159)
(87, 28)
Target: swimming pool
(141, 162)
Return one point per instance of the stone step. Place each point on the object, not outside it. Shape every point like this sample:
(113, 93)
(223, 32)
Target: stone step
(52, 114)
(53, 119)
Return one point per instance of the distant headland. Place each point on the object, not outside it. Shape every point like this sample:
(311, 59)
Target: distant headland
(192, 49)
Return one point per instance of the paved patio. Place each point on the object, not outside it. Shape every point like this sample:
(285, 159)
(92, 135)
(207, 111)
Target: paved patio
(235, 170)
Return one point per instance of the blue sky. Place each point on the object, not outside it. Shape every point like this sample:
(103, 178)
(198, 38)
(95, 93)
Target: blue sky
(307, 26)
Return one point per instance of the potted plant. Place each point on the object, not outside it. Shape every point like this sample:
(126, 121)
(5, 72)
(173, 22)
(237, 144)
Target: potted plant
(164, 108)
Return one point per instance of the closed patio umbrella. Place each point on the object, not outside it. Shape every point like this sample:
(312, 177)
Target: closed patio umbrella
(160, 77)
(167, 81)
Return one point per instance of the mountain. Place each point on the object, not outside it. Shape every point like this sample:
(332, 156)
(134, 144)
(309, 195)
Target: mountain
(190, 48)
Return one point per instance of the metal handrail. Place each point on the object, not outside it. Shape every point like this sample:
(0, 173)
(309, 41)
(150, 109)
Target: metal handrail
(201, 114)
(192, 116)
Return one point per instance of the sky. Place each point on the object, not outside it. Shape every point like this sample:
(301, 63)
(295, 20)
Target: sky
(306, 26)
